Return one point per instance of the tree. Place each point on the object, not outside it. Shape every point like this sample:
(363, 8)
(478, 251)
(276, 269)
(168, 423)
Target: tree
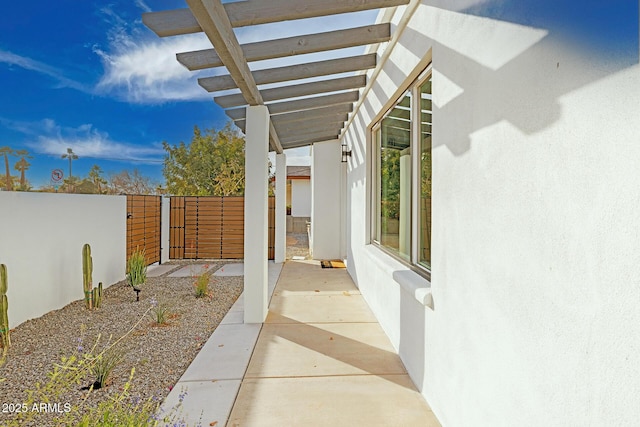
(22, 165)
(211, 165)
(95, 177)
(131, 183)
(71, 183)
(6, 152)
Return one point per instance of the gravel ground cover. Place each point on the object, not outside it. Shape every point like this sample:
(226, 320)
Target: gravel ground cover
(297, 245)
(159, 353)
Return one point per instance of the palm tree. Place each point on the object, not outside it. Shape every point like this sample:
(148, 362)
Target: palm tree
(6, 152)
(71, 156)
(22, 165)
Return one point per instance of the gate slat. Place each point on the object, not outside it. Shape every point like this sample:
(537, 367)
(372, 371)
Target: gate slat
(211, 227)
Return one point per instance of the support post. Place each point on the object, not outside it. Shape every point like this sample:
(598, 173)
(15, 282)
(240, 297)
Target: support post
(326, 209)
(256, 214)
(281, 208)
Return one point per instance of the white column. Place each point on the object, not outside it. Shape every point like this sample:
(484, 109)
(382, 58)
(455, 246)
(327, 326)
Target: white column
(281, 207)
(326, 211)
(256, 214)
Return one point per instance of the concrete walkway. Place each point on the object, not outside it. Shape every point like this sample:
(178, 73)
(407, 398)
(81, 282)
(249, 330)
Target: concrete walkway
(320, 359)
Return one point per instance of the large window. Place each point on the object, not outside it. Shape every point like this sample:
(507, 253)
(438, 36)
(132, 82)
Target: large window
(402, 176)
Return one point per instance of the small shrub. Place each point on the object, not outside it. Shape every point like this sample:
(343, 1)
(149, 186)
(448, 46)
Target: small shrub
(160, 313)
(202, 283)
(103, 365)
(137, 269)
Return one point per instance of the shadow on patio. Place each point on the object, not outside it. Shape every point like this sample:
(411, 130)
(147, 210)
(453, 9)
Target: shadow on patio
(320, 358)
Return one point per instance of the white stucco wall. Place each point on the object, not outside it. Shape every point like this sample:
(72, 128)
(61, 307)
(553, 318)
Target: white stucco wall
(41, 239)
(325, 201)
(301, 197)
(536, 237)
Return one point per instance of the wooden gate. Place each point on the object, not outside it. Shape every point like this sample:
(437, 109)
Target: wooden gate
(211, 227)
(144, 216)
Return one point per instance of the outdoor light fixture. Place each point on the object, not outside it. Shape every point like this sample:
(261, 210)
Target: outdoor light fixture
(345, 152)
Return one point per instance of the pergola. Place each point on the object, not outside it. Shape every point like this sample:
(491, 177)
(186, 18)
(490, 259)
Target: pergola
(291, 115)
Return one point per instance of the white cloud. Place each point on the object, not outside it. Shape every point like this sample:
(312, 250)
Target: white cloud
(49, 138)
(148, 72)
(143, 69)
(42, 68)
(142, 5)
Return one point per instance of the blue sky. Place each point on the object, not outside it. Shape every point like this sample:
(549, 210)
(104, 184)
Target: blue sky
(87, 74)
(90, 76)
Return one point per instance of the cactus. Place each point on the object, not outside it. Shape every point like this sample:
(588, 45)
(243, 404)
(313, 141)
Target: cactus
(4, 308)
(87, 273)
(97, 296)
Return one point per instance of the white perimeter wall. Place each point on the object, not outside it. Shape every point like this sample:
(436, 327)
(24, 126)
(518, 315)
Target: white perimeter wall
(301, 197)
(41, 239)
(536, 229)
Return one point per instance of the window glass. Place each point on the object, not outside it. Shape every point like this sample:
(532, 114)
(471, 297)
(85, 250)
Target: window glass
(394, 179)
(401, 172)
(424, 252)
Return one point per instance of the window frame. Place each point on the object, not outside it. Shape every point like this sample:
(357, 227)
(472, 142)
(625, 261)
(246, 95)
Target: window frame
(413, 86)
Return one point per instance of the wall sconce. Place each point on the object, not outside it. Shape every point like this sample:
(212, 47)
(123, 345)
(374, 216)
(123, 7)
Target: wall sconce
(346, 153)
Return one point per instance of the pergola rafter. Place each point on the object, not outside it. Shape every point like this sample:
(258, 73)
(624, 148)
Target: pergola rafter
(311, 110)
(296, 91)
(294, 72)
(254, 12)
(290, 46)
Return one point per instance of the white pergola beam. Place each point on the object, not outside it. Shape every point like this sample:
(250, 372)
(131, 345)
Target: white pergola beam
(315, 102)
(333, 131)
(254, 12)
(321, 136)
(294, 72)
(302, 104)
(298, 45)
(308, 127)
(284, 121)
(304, 142)
(327, 112)
(285, 127)
(214, 21)
(295, 91)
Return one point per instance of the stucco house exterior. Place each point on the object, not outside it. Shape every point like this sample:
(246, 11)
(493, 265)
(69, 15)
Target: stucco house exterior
(487, 206)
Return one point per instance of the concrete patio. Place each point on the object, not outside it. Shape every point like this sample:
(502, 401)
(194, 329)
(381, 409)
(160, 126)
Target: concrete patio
(320, 358)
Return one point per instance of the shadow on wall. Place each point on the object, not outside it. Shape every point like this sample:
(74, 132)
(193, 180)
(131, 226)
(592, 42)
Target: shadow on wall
(521, 56)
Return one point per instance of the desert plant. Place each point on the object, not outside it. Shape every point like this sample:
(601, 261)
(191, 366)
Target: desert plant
(137, 271)
(87, 275)
(103, 365)
(97, 296)
(4, 308)
(202, 283)
(159, 312)
(120, 409)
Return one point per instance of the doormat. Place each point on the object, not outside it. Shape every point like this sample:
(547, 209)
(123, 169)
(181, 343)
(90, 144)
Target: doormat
(334, 263)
